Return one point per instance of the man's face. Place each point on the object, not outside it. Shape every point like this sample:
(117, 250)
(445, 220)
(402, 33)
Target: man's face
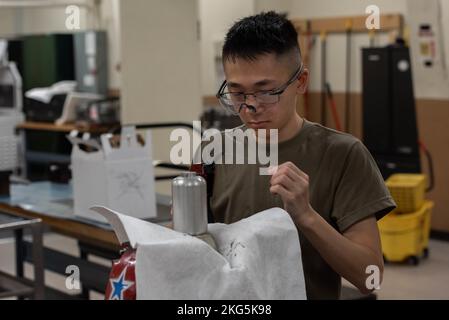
(266, 73)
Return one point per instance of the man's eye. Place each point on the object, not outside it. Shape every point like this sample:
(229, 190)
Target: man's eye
(266, 93)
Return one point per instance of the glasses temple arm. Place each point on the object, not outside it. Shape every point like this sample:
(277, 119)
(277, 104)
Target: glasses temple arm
(221, 89)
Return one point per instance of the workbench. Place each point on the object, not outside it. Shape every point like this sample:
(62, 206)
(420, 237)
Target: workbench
(53, 205)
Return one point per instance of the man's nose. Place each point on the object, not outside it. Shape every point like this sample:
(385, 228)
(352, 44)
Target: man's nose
(250, 100)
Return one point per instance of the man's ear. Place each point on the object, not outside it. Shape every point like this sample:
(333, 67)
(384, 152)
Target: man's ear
(303, 82)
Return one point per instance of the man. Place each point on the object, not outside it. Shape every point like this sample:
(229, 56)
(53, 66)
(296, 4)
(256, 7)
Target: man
(327, 181)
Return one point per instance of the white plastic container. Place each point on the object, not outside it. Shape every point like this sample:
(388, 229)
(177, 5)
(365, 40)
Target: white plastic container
(121, 178)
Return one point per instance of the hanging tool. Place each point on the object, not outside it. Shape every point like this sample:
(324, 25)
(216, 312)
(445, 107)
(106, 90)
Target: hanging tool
(310, 42)
(429, 165)
(347, 111)
(372, 35)
(323, 115)
(333, 106)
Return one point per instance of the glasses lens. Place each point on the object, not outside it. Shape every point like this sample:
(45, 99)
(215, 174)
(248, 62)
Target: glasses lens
(233, 101)
(229, 103)
(267, 98)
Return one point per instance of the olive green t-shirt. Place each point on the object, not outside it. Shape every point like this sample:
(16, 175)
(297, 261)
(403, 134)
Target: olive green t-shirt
(345, 186)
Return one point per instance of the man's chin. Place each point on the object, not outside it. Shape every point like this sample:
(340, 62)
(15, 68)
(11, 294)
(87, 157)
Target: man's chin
(264, 132)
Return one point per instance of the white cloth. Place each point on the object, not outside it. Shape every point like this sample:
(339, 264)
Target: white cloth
(258, 258)
(46, 94)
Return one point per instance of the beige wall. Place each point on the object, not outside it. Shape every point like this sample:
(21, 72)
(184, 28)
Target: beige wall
(326, 8)
(110, 21)
(431, 82)
(160, 65)
(277, 5)
(7, 22)
(216, 16)
(37, 20)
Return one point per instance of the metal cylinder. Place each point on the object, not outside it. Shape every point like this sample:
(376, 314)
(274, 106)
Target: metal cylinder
(189, 204)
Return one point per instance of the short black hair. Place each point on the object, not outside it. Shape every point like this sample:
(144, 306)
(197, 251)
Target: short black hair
(264, 33)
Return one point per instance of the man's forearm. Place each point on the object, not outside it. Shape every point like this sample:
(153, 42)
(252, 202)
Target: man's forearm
(347, 258)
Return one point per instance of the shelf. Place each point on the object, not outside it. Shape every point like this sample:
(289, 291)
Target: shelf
(47, 126)
(389, 22)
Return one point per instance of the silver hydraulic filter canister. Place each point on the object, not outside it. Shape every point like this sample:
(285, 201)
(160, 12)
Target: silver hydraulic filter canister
(189, 204)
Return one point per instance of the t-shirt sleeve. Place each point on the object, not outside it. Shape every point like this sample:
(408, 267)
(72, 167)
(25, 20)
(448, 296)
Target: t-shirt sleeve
(361, 191)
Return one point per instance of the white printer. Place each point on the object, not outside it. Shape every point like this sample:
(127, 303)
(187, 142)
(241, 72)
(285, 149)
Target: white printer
(10, 112)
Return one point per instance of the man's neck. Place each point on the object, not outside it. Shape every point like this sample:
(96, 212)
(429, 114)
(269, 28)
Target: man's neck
(291, 129)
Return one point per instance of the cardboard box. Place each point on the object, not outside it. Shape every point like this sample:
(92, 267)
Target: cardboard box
(121, 179)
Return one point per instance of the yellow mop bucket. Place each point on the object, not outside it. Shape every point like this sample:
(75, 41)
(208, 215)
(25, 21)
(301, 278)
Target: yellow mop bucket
(405, 236)
(408, 190)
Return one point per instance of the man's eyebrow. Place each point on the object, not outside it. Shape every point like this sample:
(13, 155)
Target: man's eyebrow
(233, 85)
(260, 83)
(264, 82)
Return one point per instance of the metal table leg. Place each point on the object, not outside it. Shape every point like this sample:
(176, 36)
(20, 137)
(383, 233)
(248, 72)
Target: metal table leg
(18, 235)
(38, 258)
